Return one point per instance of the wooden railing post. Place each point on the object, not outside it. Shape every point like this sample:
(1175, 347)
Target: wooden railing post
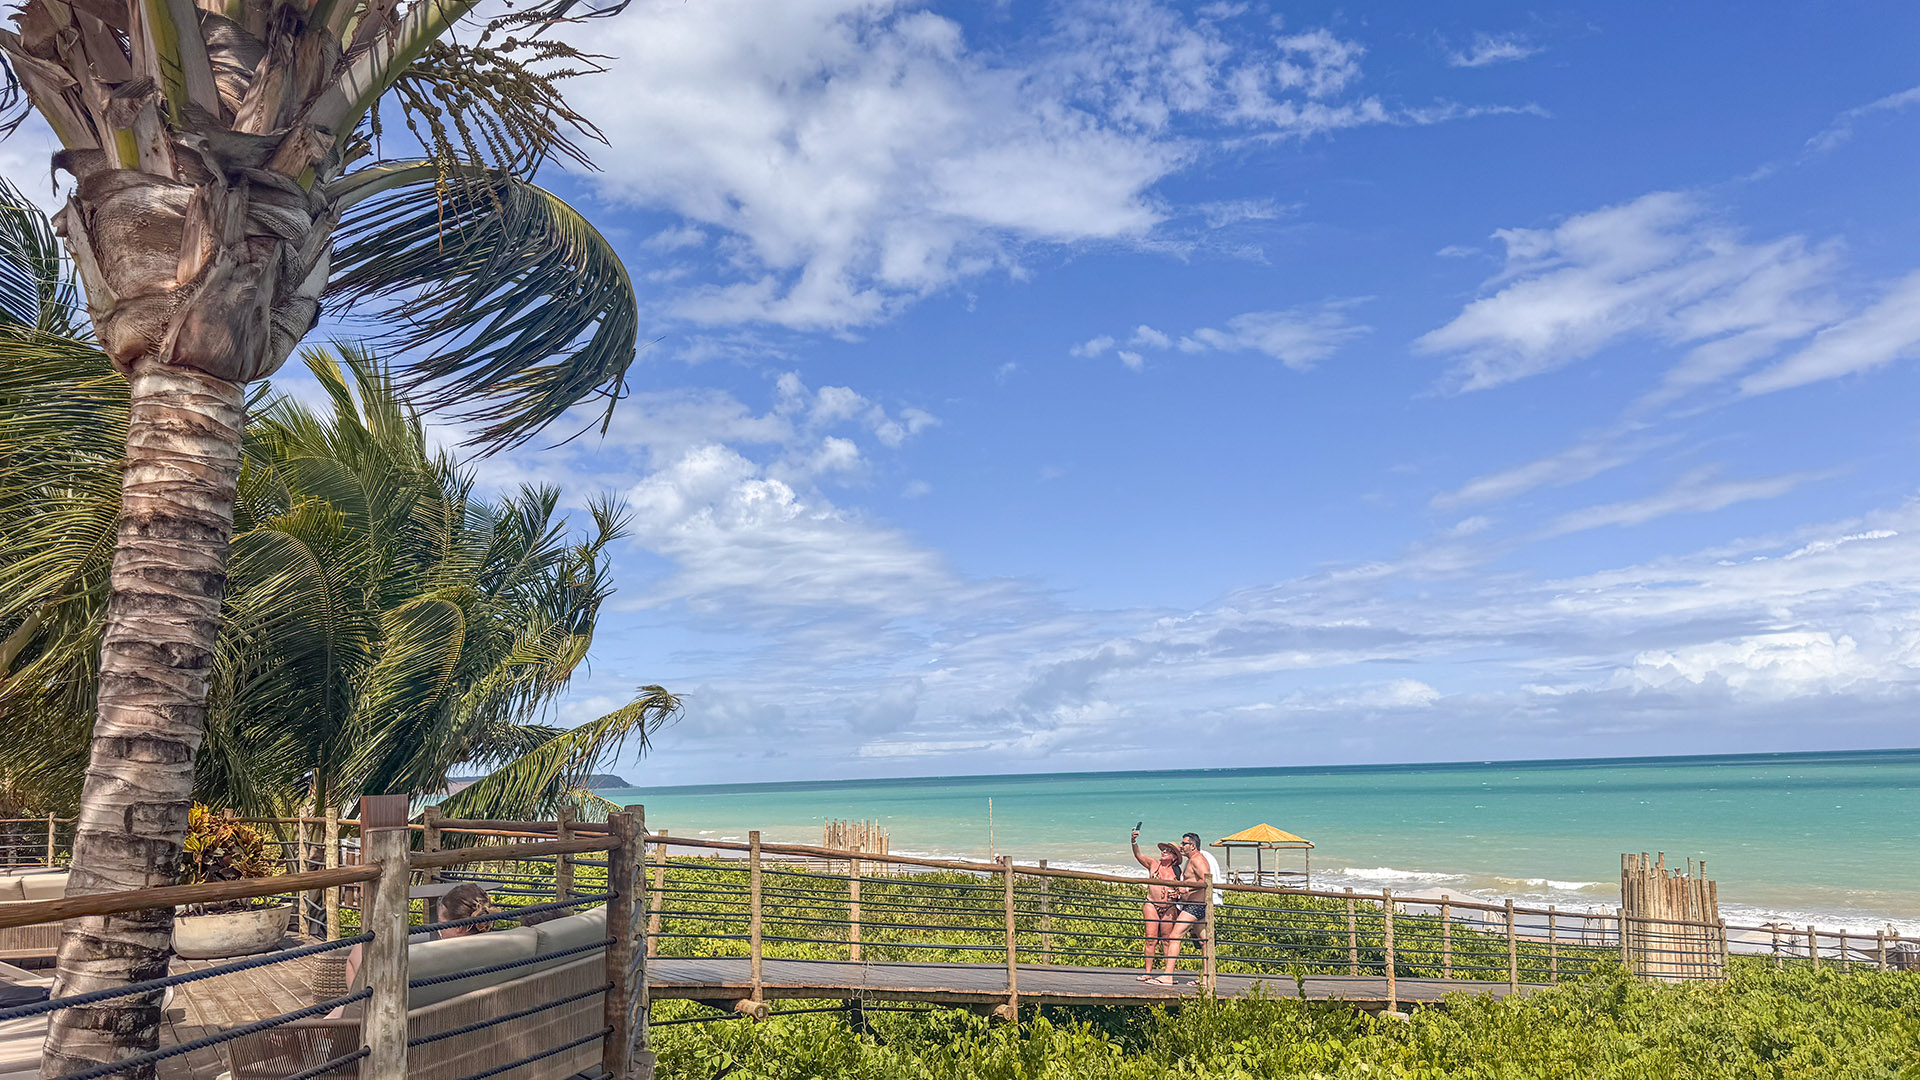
(50, 840)
(1013, 944)
(1846, 960)
(1386, 936)
(1880, 948)
(623, 879)
(384, 1026)
(643, 1064)
(1513, 952)
(754, 957)
(658, 898)
(429, 837)
(1353, 938)
(1046, 914)
(1209, 952)
(853, 910)
(563, 864)
(1446, 938)
(330, 857)
(1620, 919)
(1553, 945)
(1813, 946)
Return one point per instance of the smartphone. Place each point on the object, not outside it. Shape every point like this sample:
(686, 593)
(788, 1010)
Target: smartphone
(1137, 824)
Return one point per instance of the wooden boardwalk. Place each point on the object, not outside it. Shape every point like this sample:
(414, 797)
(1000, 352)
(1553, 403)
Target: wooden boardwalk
(202, 1008)
(724, 980)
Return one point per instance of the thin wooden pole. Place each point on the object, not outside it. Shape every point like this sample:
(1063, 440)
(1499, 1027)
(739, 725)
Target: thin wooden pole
(1209, 953)
(1446, 938)
(1353, 938)
(1846, 959)
(754, 960)
(384, 1026)
(659, 896)
(853, 910)
(563, 864)
(1046, 915)
(1813, 946)
(50, 841)
(1880, 948)
(330, 854)
(430, 836)
(1386, 941)
(1620, 919)
(1513, 952)
(623, 877)
(642, 1067)
(1553, 945)
(1013, 944)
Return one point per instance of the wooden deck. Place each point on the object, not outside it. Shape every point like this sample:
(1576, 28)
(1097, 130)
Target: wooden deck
(726, 979)
(202, 1008)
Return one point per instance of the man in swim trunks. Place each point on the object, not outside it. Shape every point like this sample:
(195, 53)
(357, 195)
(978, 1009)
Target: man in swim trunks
(1191, 915)
(1160, 909)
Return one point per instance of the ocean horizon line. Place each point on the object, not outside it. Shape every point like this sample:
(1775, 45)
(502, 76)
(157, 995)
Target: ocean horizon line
(1754, 757)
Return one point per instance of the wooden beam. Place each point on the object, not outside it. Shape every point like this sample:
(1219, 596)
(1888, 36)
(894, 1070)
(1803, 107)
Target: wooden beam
(623, 877)
(1386, 934)
(1013, 944)
(384, 1025)
(32, 912)
(563, 864)
(757, 967)
(505, 852)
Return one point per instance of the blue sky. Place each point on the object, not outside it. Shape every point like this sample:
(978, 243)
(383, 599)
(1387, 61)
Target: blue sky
(1054, 386)
(1060, 386)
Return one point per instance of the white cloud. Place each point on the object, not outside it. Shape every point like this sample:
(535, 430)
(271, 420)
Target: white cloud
(1657, 267)
(1697, 492)
(1298, 337)
(740, 538)
(1841, 129)
(830, 161)
(1492, 49)
(1886, 331)
(1092, 347)
(1583, 460)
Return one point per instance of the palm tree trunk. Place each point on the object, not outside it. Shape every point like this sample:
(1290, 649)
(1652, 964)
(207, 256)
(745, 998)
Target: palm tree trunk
(156, 665)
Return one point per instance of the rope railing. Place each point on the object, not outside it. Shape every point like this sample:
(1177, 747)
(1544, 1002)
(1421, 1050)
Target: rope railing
(381, 1017)
(762, 902)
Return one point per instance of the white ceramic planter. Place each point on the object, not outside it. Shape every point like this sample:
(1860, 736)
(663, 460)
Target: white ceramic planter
(235, 933)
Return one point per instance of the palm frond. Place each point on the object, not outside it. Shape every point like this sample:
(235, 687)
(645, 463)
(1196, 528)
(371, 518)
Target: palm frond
(514, 306)
(537, 781)
(37, 289)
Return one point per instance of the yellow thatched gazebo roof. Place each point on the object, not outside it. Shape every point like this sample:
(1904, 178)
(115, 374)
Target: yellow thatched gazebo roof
(1262, 838)
(1266, 836)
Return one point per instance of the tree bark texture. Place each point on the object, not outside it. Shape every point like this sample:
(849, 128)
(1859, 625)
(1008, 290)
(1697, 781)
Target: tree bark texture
(156, 664)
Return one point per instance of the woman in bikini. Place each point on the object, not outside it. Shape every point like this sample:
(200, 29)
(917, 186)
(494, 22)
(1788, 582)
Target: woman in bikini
(1160, 910)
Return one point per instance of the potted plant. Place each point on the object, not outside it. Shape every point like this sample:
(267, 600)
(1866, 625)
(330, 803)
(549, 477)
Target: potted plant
(221, 849)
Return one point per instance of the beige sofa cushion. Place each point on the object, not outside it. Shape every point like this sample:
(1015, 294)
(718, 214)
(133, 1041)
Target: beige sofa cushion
(43, 886)
(10, 889)
(444, 956)
(560, 934)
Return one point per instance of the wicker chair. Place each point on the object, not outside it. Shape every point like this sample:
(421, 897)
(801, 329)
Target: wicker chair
(37, 943)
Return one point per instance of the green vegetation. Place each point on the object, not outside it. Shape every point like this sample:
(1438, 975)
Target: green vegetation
(951, 916)
(385, 624)
(1792, 1024)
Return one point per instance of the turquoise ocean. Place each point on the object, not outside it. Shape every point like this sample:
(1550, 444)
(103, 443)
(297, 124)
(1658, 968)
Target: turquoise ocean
(1829, 838)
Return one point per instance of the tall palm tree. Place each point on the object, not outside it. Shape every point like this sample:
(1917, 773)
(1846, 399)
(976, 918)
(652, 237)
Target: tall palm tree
(225, 182)
(384, 626)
